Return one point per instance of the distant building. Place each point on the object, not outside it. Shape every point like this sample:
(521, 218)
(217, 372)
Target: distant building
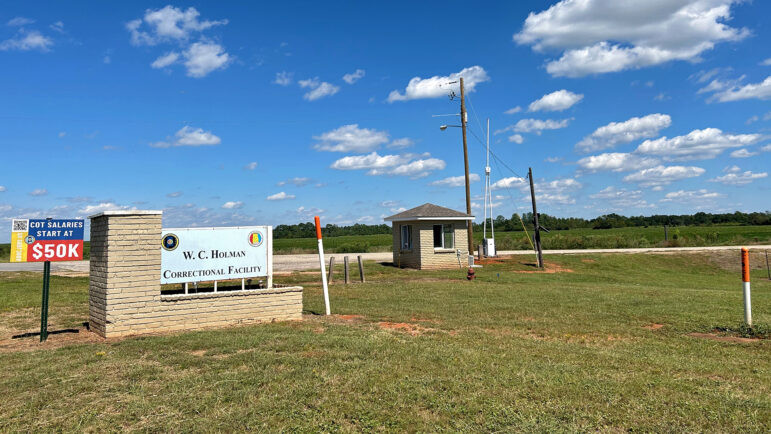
(430, 237)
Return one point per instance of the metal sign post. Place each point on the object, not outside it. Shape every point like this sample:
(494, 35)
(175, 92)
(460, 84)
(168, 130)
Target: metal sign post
(44, 305)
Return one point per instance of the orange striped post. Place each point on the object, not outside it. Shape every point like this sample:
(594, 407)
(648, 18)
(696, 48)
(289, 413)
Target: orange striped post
(746, 286)
(322, 264)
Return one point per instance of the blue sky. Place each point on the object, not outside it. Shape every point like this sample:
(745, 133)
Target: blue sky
(245, 113)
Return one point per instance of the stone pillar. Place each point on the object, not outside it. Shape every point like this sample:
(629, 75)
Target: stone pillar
(125, 269)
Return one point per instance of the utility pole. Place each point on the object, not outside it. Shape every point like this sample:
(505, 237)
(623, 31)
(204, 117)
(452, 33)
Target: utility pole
(465, 162)
(537, 243)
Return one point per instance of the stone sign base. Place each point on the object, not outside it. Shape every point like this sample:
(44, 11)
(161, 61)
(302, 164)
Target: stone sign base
(125, 291)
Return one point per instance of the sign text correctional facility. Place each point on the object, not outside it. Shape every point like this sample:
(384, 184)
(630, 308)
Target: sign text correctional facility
(39, 240)
(201, 254)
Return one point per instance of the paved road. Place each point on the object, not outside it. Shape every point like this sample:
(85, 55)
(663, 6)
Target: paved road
(288, 263)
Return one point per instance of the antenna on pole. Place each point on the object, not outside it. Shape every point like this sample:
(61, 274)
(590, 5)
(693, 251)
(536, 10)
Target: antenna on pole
(488, 243)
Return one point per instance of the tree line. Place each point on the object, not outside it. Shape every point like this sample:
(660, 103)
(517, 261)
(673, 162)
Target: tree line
(607, 221)
(308, 230)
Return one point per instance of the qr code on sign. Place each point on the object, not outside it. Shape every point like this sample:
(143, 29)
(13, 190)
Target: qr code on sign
(20, 226)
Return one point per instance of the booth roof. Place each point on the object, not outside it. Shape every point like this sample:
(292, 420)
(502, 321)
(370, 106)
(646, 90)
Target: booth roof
(429, 211)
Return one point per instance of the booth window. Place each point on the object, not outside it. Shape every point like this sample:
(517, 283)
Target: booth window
(406, 240)
(444, 237)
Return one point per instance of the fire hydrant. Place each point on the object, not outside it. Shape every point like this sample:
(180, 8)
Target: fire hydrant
(470, 275)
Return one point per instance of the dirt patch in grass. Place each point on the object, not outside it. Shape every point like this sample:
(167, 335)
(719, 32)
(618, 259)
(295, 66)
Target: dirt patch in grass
(405, 327)
(654, 326)
(55, 340)
(549, 268)
(349, 318)
(715, 337)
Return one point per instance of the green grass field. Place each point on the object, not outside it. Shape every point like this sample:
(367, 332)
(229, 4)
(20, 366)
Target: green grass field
(696, 236)
(429, 351)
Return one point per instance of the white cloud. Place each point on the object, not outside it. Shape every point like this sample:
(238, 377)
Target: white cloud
(760, 91)
(600, 36)
(538, 125)
(516, 138)
(742, 153)
(19, 22)
(414, 169)
(663, 175)
(456, 181)
(766, 62)
(370, 161)
(280, 196)
(233, 205)
(251, 166)
(615, 133)
(412, 165)
(306, 214)
(354, 76)
(621, 198)
(283, 78)
(189, 136)
(696, 145)
(511, 182)
(62, 134)
(547, 192)
(766, 148)
(438, 86)
(513, 110)
(734, 176)
(555, 101)
(616, 162)
(201, 58)
(690, 196)
(57, 26)
(102, 207)
(319, 89)
(38, 192)
(298, 182)
(611, 192)
(351, 138)
(165, 60)
(2, 188)
(168, 24)
(26, 41)
(553, 159)
(174, 194)
(402, 143)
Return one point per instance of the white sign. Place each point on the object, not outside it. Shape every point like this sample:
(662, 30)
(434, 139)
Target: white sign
(205, 254)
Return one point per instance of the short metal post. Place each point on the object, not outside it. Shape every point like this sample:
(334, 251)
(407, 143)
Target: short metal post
(243, 285)
(666, 234)
(347, 273)
(361, 269)
(481, 251)
(331, 267)
(185, 287)
(768, 269)
(44, 307)
(215, 286)
(746, 286)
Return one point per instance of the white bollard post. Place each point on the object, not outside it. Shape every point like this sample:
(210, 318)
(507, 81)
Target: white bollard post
(322, 264)
(746, 286)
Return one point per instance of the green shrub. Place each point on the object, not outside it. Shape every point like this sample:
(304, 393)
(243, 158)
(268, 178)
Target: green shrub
(354, 247)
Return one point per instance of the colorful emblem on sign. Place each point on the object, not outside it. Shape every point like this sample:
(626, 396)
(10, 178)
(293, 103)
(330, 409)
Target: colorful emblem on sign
(170, 242)
(38, 240)
(255, 238)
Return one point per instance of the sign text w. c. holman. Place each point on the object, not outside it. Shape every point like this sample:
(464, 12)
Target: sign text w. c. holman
(194, 254)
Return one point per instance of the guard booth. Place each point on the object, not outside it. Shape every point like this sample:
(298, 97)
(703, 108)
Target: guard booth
(430, 237)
